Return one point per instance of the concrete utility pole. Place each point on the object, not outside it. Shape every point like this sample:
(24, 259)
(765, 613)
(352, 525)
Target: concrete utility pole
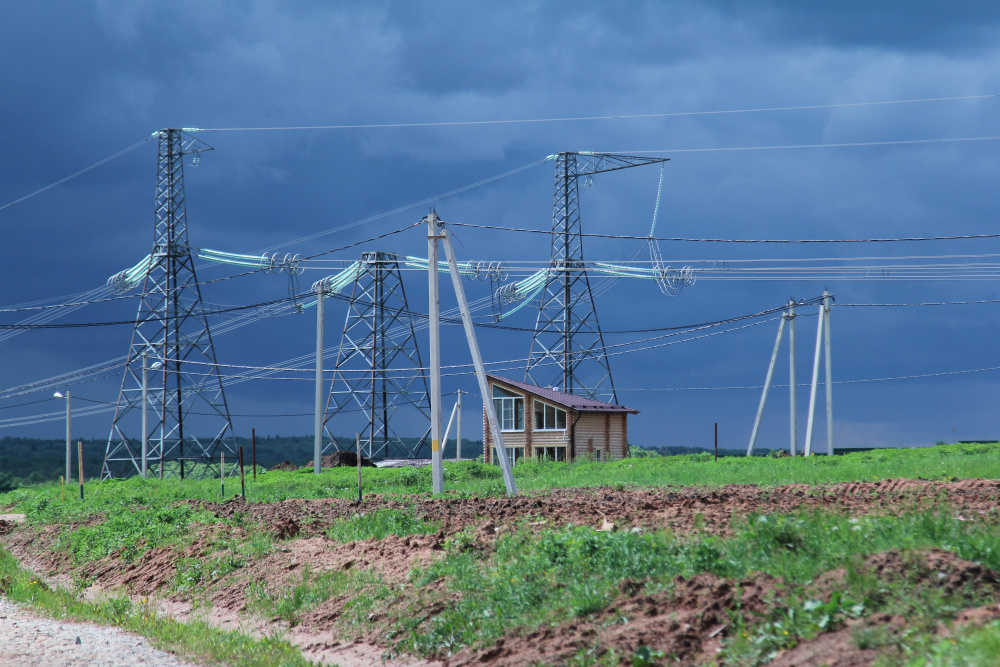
(477, 361)
(320, 288)
(822, 325)
(145, 412)
(69, 444)
(434, 302)
(829, 376)
(792, 421)
(767, 386)
(458, 428)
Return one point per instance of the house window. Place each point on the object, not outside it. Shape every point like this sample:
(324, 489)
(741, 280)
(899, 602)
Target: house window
(549, 418)
(510, 409)
(514, 454)
(597, 455)
(557, 453)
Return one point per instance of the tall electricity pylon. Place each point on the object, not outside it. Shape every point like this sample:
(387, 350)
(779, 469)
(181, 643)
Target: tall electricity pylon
(185, 399)
(567, 350)
(378, 336)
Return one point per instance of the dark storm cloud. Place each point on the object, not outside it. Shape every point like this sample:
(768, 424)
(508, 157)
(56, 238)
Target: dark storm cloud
(91, 78)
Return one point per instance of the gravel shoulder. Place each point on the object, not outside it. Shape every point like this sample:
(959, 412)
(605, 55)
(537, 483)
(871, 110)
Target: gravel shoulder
(30, 641)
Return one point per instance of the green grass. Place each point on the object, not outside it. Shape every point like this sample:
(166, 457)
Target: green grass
(535, 577)
(42, 503)
(195, 640)
(560, 575)
(378, 525)
(367, 590)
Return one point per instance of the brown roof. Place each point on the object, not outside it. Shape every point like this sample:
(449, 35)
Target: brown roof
(571, 401)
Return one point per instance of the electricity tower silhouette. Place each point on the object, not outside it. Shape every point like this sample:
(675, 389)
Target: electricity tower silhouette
(172, 339)
(567, 349)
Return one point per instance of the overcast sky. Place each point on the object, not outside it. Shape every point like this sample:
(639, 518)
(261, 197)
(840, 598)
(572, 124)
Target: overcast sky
(84, 80)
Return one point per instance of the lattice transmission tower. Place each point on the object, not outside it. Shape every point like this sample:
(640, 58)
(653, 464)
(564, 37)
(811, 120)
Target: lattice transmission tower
(567, 349)
(186, 418)
(378, 368)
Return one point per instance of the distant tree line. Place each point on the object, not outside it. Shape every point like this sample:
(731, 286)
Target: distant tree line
(27, 461)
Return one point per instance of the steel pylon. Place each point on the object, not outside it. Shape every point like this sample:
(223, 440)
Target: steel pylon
(378, 368)
(187, 416)
(567, 349)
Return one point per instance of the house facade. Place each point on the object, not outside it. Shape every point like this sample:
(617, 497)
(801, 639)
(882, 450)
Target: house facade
(539, 423)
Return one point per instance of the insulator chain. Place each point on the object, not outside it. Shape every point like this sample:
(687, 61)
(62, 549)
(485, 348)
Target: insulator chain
(288, 263)
(672, 281)
(119, 284)
(492, 271)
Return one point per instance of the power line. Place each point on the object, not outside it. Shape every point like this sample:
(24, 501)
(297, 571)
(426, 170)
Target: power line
(675, 114)
(711, 240)
(806, 384)
(79, 173)
(851, 144)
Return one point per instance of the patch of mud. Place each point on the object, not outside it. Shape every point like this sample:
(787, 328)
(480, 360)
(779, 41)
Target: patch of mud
(148, 574)
(681, 509)
(392, 557)
(687, 623)
(931, 567)
(341, 460)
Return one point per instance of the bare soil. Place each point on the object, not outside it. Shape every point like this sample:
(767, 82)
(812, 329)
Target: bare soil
(687, 622)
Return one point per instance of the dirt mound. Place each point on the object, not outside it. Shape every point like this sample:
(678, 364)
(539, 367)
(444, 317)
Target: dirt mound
(687, 623)
(942, 569)
(341, 460)
(286, 529)
(934, 567)
(681, 509)
(147, 574)
(285, 466)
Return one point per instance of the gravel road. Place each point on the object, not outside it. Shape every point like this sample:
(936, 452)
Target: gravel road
(29, 641)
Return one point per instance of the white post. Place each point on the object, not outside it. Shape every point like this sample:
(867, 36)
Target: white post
(318, 417)
(447, 430)
(434, 302)
(812, 388)
(829, 378)
(69, 445)
(458, 428)
(793, 418)
(767, 385)
(145, 412)
(477, 361)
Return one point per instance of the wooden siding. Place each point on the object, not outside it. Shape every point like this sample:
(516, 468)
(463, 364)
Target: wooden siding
(605, 431)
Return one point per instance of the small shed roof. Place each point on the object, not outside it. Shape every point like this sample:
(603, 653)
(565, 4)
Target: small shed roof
(571, 401)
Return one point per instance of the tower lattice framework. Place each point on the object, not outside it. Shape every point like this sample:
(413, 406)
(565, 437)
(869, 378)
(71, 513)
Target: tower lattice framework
(378, 368)
(567, 349)
(188, 418)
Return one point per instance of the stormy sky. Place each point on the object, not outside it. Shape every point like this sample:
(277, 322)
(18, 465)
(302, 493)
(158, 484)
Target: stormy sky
(82, 81)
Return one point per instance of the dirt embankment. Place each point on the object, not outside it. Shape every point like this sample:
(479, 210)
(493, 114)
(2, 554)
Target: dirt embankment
(688, 622)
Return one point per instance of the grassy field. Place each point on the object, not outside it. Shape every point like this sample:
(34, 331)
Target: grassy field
(557, 575)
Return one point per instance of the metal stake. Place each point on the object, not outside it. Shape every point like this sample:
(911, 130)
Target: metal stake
(477, 361)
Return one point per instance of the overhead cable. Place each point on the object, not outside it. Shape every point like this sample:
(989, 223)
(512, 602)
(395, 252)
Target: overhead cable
(674, 114)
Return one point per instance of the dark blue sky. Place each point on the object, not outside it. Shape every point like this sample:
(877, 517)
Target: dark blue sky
(83, 80)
